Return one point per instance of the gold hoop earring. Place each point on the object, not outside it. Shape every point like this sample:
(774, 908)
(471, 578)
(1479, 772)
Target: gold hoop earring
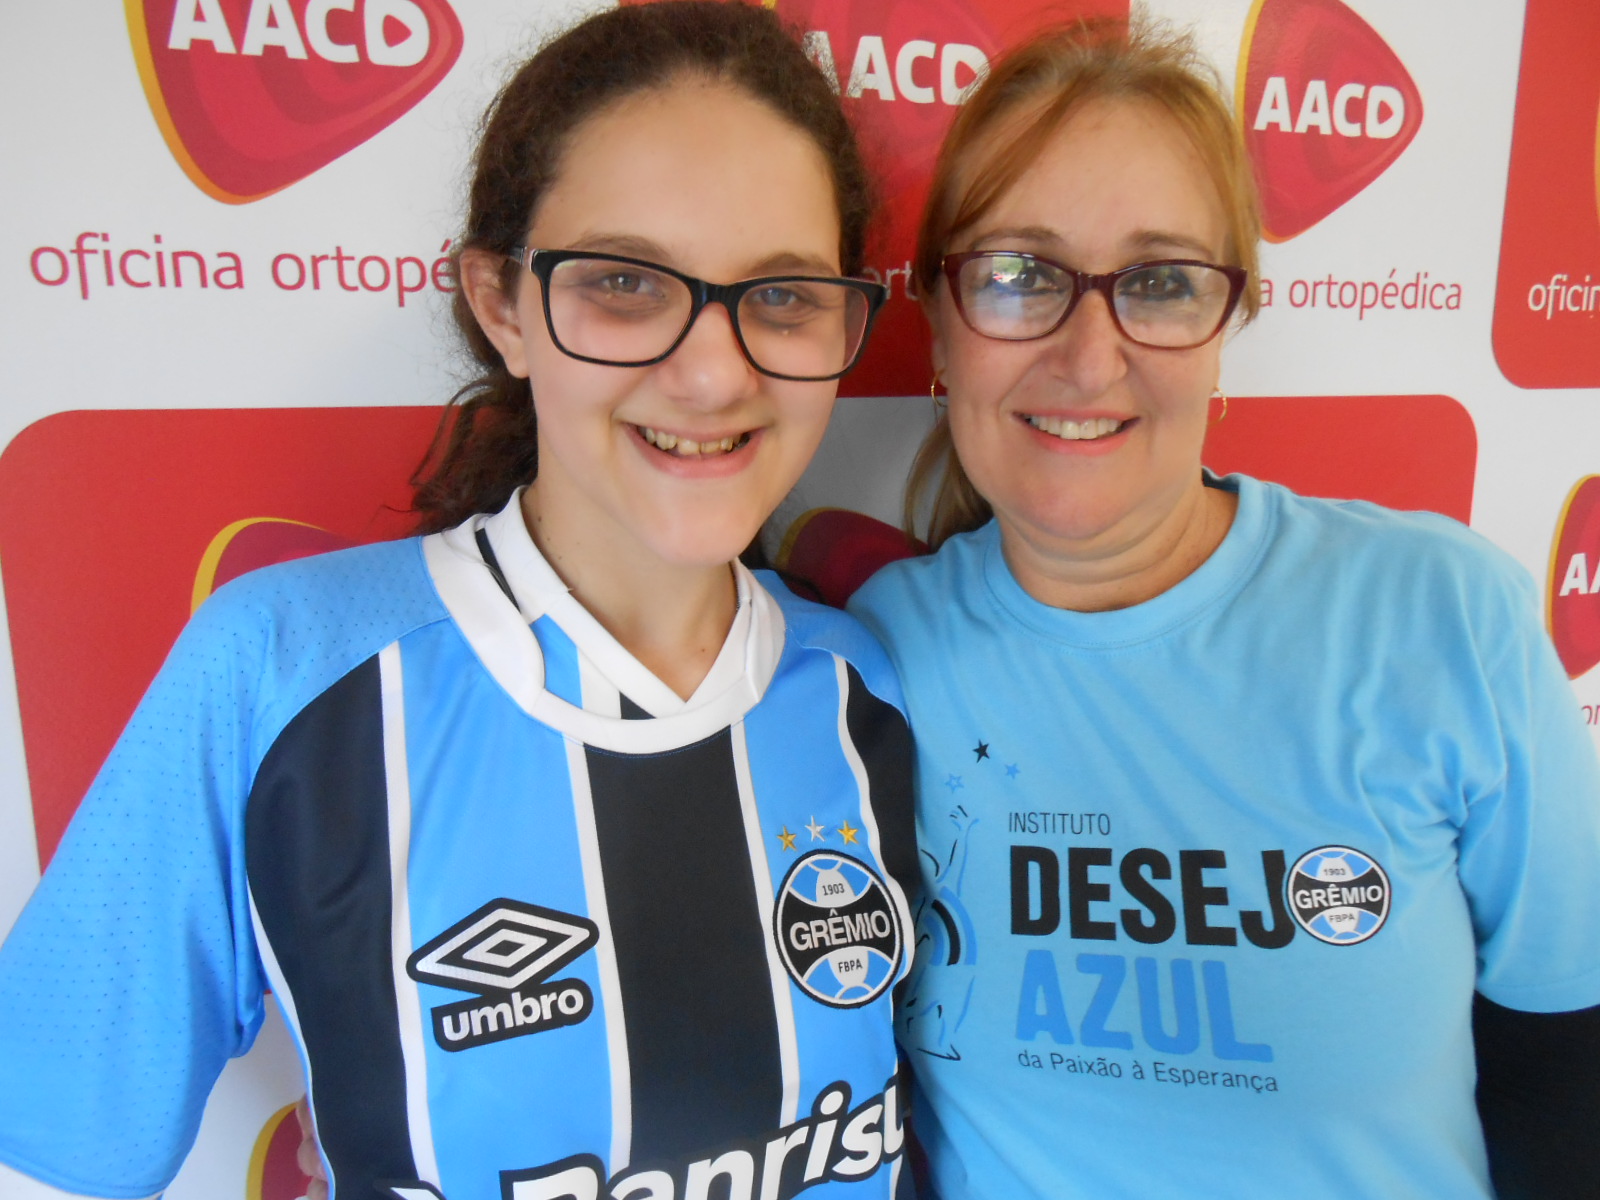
(938, 401)
(1219, 394)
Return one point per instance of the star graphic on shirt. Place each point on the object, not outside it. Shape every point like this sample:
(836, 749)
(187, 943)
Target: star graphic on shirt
(848, 832)
(953, 782)
(786, 838)
(818, 832)
(1012, 770)
(982, 751)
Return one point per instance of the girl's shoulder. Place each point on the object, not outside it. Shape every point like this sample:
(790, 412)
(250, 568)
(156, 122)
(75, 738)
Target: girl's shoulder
(810, 626)
(385, 576)
(292, 628)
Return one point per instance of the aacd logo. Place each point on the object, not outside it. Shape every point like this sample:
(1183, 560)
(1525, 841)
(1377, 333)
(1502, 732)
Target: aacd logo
(1573, 608)
(1326, 107)
(253, 95)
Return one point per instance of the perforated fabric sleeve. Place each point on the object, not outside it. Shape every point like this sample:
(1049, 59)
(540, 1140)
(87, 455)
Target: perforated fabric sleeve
(132, 974)
(14, 1185)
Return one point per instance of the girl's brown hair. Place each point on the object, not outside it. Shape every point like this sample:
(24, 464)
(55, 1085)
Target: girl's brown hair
(486, 445)
(1055, 73)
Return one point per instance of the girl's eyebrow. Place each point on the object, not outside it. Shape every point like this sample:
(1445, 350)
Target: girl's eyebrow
(633, 246)
(787, 261)
(629, 245)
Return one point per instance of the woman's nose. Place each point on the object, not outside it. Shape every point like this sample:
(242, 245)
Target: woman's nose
(1091, 348)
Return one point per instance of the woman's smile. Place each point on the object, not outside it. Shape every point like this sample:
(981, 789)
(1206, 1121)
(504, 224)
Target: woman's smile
(1080, 435)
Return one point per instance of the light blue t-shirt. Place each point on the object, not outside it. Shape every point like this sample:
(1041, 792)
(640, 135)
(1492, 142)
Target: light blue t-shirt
(1210, 881)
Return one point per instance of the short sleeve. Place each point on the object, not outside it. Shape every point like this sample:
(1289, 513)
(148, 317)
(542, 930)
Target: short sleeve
(131, 976)
(1529, 852)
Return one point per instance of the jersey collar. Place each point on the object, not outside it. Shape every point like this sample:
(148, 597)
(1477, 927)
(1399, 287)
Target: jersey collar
(502, 639)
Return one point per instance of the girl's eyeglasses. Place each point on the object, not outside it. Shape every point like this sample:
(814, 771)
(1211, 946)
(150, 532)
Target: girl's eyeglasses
(627, 312)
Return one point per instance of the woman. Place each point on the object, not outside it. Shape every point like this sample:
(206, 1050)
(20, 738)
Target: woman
(569, 851)
(1230, 800)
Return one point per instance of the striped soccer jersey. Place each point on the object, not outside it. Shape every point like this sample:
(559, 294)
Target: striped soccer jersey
(540, 928)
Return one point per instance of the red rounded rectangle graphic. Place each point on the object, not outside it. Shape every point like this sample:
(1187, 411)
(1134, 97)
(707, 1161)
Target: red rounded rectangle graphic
(1547, 296)
(113, 525)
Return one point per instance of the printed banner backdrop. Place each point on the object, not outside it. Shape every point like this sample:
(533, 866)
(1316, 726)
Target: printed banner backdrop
(223, 288)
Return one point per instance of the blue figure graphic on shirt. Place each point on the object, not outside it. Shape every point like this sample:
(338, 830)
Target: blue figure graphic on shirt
(945, 936)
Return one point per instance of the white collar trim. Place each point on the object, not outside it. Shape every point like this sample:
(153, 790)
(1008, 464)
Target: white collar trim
(501, 639)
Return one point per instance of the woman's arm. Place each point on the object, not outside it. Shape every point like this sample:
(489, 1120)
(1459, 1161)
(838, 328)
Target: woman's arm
(1527, 851)
(1539, 1099)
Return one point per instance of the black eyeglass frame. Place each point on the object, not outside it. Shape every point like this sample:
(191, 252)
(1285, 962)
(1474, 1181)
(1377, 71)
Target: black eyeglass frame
(1084, 282)
(701, 293)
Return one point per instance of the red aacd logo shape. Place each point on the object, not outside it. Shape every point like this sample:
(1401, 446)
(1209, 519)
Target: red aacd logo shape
(1325, 105)
(1573, 608)
(903, 68)
(253, 95)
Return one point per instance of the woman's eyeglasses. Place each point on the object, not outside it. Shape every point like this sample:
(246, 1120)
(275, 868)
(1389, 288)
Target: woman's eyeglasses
(627, 312)
(1169, 304)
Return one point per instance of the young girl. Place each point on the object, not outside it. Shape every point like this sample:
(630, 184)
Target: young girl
(573, 855)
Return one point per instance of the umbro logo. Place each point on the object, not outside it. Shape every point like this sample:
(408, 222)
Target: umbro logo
(506, 951)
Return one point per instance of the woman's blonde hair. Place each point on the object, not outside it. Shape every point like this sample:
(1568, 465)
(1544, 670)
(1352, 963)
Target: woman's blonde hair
(1058, 71)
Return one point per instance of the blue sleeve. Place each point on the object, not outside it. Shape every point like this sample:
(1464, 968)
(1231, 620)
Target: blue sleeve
(132, 975)
(1529, 851)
